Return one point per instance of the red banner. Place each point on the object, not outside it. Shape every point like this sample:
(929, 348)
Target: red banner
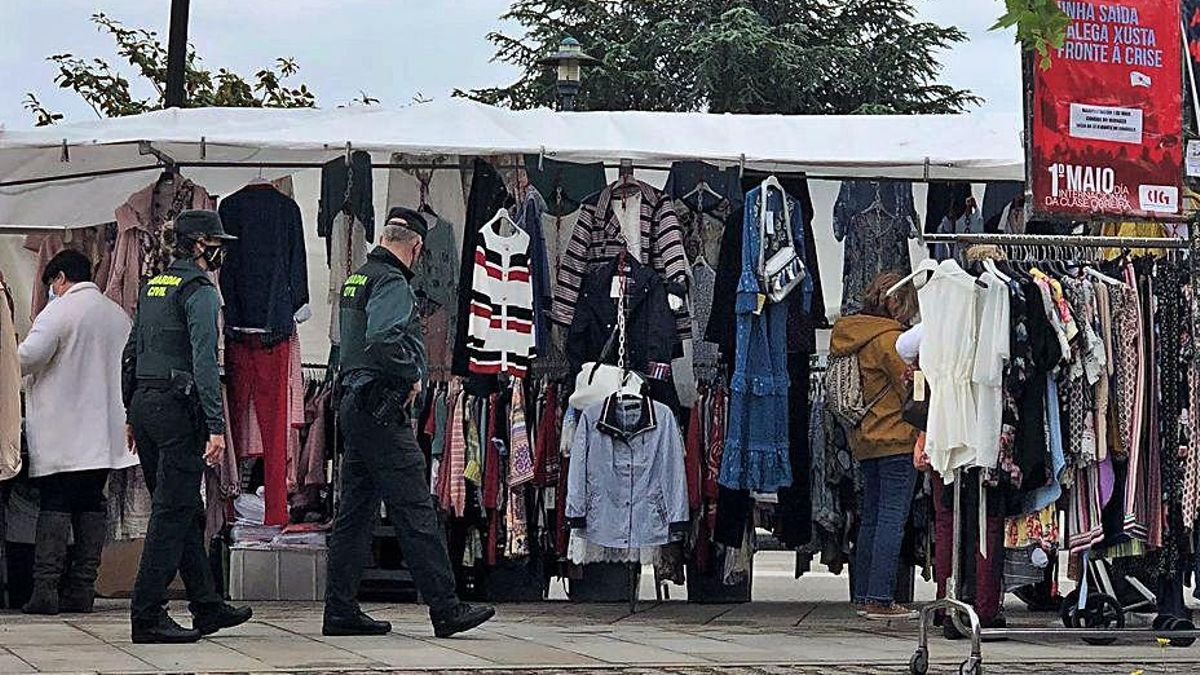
(1108, 114)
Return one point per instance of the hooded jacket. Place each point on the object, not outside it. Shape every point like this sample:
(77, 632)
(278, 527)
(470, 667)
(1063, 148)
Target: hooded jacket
(883, 432)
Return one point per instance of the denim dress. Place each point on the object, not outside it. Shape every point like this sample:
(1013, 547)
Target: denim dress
(756, 453)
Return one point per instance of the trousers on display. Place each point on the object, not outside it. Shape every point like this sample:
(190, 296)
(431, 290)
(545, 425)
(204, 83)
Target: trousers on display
(258, 389)
(383, 462)
(170, 441)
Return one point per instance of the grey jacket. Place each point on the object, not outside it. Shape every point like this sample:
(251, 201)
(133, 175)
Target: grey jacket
(627, 485)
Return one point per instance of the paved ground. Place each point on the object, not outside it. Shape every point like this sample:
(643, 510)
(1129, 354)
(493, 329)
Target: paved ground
(673, 637)
(792, 627)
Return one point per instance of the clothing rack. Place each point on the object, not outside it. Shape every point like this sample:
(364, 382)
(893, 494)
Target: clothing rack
(1057, 241)
(973, 665)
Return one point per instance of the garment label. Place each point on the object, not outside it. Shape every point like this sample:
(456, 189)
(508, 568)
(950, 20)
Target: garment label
(615, 290)
(918, 386)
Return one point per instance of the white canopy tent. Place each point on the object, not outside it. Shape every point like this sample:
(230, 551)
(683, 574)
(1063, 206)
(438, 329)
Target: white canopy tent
(925, 147)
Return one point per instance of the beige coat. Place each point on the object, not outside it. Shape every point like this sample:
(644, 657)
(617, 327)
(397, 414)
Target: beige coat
(75, 419)
(10, 391)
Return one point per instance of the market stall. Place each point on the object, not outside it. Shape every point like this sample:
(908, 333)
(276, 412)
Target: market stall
(553, 173)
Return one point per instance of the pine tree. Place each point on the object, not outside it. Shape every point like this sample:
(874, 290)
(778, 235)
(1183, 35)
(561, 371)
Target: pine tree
(739, 56)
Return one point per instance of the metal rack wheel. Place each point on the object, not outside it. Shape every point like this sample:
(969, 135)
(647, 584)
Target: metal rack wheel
(972, 666)
(919, 663)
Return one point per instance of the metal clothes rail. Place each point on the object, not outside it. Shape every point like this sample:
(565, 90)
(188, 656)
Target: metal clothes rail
(973, 665)
(1057, 241)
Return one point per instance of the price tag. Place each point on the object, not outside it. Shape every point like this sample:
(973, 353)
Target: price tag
(615, 291)
(770, 222)
(918, 386)
(762, 302)
(675, 302)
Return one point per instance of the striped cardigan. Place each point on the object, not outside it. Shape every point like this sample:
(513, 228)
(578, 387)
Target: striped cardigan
(500, 335)
(597, 239)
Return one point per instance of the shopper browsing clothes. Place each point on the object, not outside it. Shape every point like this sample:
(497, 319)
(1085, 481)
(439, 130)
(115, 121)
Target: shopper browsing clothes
(72, 358)
(382, 365)
(882, 443)
(177, 424)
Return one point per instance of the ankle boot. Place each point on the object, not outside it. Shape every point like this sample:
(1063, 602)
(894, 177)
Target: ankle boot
(50, 553)
(79, 593)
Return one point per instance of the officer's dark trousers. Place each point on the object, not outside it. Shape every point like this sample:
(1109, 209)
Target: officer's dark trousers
(170, 441)
(384, 462)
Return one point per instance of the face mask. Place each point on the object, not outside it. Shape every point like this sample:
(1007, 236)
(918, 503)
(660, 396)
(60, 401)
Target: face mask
(214, 256)
(50, 295)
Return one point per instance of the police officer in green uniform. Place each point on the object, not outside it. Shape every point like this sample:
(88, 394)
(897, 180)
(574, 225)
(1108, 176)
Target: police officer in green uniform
(382, 366)
(176, 424)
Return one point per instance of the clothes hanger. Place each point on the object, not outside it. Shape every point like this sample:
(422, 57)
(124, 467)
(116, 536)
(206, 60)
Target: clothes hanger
(502, 218)
(928, 265)
(990, 266)
(699, 192)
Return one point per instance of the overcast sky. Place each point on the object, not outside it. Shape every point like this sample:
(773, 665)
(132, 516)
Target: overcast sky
(392, 49)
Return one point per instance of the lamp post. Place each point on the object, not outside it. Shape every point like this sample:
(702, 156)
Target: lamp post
(569, 61)
(176, 92)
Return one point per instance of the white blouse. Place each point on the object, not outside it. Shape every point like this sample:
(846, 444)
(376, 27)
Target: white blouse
(948, 302)
(991, 353)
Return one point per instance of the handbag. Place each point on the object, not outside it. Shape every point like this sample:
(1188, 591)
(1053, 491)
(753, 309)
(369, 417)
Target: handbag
(782, 269)
(916, 405)
(598, 380)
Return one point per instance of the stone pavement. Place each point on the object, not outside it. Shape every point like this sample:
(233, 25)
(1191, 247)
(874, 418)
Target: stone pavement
(671, 637)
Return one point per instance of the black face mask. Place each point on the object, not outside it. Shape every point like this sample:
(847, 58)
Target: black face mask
(214, 256)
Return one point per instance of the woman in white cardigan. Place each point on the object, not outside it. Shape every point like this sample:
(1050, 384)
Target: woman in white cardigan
(75, 423)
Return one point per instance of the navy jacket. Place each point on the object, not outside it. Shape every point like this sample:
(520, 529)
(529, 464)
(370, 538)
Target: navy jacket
(265, 277)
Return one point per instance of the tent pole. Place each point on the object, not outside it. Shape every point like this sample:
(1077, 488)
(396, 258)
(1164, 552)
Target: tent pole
(81, 174)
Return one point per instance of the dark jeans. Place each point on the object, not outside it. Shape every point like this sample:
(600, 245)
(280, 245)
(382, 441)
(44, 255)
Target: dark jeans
(74, 491)
(383, 462)
(887, 497)
(170, 442)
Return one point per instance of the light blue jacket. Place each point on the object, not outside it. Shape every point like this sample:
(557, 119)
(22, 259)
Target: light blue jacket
(627, 486)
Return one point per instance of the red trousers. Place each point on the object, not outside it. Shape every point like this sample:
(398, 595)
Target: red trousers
(988, 572)
(258, 378)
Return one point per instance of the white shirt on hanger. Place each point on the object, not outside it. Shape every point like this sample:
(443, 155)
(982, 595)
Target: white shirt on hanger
(947, 358)
(992, 351)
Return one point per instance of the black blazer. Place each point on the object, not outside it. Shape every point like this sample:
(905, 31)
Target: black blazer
(652, 340)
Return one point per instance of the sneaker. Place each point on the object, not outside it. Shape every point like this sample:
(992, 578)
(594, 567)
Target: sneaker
(860, 608)
(462, 618)
(881, 612)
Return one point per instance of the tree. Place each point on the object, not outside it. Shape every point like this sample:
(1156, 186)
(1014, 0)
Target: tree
(742, 56)
(1041, 25)
(110, 94)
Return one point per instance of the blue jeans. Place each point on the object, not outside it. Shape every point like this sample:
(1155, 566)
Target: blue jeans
(888, 485)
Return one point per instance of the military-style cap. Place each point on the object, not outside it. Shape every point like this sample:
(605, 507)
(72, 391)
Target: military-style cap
(201, 223)
(409, 219)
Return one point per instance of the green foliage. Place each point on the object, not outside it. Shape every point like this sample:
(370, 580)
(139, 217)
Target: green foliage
(1041, 25)
(110, 94)
(740, 56)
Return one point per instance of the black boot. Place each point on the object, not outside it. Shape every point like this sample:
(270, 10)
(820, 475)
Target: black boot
(50, 554)
(163, 631)
(222, 617)
(462, 618)
(79, 594)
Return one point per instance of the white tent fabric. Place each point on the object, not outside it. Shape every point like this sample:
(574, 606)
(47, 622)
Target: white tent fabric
(923, 147)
